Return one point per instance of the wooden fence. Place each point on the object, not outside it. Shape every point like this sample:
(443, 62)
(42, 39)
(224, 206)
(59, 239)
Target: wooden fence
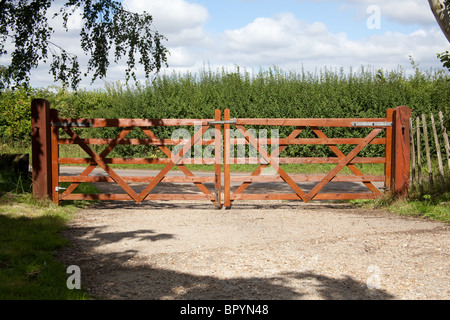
(430, 134)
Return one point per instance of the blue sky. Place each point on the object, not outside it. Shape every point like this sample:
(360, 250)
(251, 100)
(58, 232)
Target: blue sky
(234, 14)
(290, 34)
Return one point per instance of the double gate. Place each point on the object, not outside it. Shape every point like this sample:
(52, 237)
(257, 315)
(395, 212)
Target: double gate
(221, 136)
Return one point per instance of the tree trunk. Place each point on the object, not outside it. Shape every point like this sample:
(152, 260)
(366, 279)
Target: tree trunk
(442, 14)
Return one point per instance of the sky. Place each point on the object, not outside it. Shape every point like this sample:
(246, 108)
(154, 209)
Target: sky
(293, 35)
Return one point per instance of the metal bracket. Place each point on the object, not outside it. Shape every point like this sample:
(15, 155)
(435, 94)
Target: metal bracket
(372, 124)
(223, 122)
(57, 189)
(71, 124)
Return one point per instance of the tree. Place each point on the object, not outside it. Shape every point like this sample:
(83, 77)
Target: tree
(107, 28)
(441, 11)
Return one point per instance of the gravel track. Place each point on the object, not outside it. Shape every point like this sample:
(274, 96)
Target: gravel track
(181, 250)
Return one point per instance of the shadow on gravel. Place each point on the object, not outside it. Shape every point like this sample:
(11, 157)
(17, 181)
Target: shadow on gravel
(117, 276)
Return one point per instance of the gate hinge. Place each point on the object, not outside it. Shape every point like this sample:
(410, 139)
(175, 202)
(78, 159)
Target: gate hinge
(57, 189)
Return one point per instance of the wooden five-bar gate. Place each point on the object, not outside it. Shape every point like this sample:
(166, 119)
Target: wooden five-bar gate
(391, 131)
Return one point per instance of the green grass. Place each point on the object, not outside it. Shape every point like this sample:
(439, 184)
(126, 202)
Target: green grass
(430, 202)
(30, 235)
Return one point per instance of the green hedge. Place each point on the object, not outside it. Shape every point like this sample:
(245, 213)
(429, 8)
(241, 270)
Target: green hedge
(266, 94)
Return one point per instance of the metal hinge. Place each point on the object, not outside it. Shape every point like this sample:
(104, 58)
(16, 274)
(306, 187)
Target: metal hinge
(57, 189)
(372, 124)
(233, 121)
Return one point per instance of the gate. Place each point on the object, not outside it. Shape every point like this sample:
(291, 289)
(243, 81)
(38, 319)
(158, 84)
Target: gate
(395, 139)
(392, 132)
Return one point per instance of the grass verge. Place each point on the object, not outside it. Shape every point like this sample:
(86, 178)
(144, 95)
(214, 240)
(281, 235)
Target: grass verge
(30, 236)
(429, 202)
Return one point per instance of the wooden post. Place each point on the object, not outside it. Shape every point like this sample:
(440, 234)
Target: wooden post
(389, 142)
(438, 152)
(401, 156)
(444, 133)
(41, 149)
(226, 161)
(427, 149)
(54, 135)
(419, 155)
(218, 160)
(413, 153)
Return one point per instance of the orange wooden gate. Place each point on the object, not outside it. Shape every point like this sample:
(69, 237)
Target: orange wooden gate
(100, 159)
(392, 131)
(395, 138)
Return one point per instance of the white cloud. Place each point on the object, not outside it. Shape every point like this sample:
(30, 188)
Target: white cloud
(171, 17)
(182, 23)
(286, 41)
(406, 12)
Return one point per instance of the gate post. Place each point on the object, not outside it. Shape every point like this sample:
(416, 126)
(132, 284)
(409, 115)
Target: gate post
(389, 147)
(401, 151)
(41, 149)
(226, 160)
(54, 157)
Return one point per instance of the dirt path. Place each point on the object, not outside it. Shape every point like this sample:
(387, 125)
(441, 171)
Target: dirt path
(257, 250)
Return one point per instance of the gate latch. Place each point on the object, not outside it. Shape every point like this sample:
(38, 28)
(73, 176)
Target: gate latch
(233, 121)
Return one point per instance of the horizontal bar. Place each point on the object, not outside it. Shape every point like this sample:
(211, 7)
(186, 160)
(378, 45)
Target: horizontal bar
(305, 141)
(239, 141)
(262, 178)
(309, 178)
(270, 196)
(98, 123)
(155, 142)
(345, 196)
(101, 123)
(136, 161)
(338, 122)
(126, 197)
(318, 160)
(294, 196)
(176, 179)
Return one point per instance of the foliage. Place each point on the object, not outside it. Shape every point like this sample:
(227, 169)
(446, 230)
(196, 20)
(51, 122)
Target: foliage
(269, 93)
(429, 202)
(272, 93)
(106, 26)
(445, 59)
(15, 114)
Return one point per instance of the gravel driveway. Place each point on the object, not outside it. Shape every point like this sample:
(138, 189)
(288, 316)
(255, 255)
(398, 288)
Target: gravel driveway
(284, 250)
(181, 250)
